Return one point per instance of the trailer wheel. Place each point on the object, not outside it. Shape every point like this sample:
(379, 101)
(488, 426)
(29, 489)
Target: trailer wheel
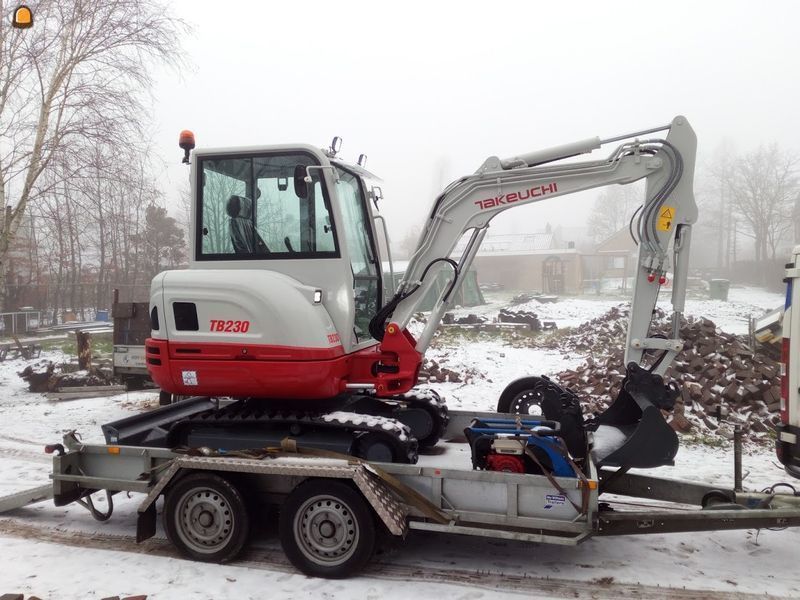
(326, 529)
(206, 518)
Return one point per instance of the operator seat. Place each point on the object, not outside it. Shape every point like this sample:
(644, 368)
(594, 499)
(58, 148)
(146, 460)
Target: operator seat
(243, 235)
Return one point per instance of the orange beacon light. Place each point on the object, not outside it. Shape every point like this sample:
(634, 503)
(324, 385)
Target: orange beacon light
(22, 17)
(186, 142)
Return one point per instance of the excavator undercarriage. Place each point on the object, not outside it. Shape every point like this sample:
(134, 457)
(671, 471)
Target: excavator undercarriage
(393, 430)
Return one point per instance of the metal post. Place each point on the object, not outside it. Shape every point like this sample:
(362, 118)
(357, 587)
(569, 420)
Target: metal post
(737, 458)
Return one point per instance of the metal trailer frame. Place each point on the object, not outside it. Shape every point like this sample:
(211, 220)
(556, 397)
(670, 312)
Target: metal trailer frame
(425, 497)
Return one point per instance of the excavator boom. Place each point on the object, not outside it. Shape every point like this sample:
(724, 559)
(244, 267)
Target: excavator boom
(469, 204)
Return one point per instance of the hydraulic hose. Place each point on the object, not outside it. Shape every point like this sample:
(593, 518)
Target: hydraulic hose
(377, 324)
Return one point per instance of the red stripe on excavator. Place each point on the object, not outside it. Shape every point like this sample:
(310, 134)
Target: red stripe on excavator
(207, 369)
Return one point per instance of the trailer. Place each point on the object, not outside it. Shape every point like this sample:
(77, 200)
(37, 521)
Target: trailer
(334, 507)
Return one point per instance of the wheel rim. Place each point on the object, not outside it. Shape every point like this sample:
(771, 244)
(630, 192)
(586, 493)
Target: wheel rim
(326, 530)
(528, 402)
(204, 520)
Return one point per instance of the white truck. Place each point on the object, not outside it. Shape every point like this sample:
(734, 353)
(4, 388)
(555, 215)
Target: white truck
(787, 443)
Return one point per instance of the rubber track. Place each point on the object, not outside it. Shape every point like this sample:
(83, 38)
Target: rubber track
(246, 413)
(392, 406)
(432, 402)
(274, 560)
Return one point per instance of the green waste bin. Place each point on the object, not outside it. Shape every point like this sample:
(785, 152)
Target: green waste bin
(718, 289)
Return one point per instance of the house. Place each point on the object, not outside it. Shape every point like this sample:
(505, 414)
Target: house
(611, 264)
(528, 261)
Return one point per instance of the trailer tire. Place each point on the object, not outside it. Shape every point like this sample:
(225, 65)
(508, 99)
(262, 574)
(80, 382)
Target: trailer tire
(326, 529)
(206, 518)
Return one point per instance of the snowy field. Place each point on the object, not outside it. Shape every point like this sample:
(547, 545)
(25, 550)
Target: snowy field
(63, 553)
(500, 364)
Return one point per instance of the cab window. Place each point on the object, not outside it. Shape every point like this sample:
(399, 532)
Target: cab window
(250, 209)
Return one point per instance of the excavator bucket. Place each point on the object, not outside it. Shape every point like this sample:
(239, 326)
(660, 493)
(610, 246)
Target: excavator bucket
(632, 432)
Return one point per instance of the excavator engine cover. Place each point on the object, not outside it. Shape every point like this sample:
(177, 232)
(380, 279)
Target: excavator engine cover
(632, 432)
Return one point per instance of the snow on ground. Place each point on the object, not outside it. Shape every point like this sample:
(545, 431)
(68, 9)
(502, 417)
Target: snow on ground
(731, 316)
(425, 565)
(501, 365)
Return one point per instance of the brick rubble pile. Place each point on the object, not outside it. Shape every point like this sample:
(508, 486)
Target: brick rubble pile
(433, 371)
(722, 381)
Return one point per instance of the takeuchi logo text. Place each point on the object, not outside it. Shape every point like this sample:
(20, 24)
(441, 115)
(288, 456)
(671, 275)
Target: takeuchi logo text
(512, 197)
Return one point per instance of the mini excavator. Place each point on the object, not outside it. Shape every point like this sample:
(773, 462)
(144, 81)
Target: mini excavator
(285, 308)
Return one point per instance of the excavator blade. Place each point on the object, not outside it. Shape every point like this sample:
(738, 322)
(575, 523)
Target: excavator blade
(632, 432)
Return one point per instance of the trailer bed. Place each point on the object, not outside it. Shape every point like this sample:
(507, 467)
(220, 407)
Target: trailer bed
(441, 493)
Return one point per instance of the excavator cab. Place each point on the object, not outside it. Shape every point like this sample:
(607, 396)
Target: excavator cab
(285, 274)
(298, 212)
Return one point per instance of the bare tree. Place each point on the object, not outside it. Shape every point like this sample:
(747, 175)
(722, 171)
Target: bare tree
(613, 210)
(717, 210)
(77, 75)
(764, 189)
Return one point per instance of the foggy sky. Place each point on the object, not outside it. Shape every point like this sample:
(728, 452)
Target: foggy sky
(428, 90)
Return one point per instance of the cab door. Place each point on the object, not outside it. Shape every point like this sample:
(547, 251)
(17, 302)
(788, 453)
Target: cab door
(364, 260)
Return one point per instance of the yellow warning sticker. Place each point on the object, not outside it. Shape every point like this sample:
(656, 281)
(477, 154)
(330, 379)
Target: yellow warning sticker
(665, 218)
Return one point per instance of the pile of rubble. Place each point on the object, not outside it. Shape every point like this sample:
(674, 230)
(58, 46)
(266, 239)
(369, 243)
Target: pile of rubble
(45, 376)
(432, 371)
(470, 319)
(520, 316)
(600, 336)
(723, 382)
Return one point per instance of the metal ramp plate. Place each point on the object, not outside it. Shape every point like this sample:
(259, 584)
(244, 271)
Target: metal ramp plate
(26, 497)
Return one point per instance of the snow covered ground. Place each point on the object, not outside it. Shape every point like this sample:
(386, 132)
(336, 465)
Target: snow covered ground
(63, 553)
(496, 364)
(731, 316)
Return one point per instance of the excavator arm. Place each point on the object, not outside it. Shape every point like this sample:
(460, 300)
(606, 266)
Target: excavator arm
(631, 432)
(662, 224)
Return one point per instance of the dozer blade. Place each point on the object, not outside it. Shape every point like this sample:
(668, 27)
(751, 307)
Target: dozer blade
(152, 428)
(632, 432)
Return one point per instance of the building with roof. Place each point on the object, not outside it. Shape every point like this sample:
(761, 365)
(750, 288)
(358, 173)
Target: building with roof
(610, 266)
(537, 262)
